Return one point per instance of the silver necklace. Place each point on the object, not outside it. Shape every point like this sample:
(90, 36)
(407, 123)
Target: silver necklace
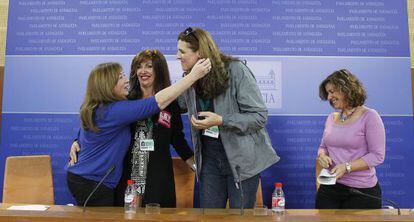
(343, 117)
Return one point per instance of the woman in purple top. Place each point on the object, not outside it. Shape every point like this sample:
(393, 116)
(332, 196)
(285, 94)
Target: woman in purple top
(353, 144)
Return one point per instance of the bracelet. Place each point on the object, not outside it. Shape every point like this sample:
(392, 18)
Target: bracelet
(348, 167)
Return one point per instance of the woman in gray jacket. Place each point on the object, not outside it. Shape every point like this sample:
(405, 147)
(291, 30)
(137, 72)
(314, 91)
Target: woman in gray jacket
(228, 118)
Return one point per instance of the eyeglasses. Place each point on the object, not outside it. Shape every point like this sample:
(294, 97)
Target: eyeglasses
(190, 31)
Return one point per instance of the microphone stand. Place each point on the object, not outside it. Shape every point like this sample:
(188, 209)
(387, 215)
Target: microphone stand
(355, 191)
(241, 190)
(109, 171)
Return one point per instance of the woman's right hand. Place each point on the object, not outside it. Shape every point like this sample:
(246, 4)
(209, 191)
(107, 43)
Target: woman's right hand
(324, 160)
(74, 150)
(201, 68)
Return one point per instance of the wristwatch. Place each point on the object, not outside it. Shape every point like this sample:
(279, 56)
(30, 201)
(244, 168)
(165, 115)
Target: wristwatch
(348, 167)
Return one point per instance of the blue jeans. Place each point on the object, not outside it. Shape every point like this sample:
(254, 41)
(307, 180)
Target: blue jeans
(217, 183)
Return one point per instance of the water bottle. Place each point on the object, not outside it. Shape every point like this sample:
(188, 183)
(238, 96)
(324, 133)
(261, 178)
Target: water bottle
(130, 199)
(278, 199)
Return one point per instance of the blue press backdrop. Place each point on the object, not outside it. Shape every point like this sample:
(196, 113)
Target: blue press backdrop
(290, 46)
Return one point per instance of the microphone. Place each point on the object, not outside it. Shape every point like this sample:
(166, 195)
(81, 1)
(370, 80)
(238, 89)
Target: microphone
(109, 171)
(355, 191)
(241, 190)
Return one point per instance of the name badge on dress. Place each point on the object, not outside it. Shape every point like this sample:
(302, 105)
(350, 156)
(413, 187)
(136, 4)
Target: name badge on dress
(146, 145)
(165, 119)
(211, 132)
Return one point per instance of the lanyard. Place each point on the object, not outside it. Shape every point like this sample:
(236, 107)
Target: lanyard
(204, 104)
(148, 124)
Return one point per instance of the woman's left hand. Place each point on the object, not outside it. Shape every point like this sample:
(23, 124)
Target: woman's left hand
(339, 169)
(209, 119)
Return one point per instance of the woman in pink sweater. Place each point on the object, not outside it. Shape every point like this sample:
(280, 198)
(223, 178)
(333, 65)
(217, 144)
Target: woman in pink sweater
(353, 144)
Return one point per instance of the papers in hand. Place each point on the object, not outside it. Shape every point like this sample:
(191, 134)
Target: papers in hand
(326, 178)
(35, 207)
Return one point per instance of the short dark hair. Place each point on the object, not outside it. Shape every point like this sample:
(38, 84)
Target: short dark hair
(348, 84)
(160, 66)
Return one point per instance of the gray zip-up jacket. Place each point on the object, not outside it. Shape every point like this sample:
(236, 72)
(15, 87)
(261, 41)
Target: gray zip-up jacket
(243, 133)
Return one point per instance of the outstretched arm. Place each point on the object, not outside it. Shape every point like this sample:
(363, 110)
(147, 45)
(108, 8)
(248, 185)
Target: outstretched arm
(169, 94)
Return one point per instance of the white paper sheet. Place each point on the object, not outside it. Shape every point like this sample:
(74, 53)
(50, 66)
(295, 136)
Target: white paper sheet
(35, 207)
(326, 178)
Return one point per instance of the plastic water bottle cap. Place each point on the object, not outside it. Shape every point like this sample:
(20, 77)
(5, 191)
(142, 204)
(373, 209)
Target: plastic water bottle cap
(278, 185)
(130, 182)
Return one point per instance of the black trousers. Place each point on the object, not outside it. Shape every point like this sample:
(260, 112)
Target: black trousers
(81, 188)
(338, 196)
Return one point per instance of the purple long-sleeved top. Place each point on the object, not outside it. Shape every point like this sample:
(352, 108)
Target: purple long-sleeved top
(364, 138)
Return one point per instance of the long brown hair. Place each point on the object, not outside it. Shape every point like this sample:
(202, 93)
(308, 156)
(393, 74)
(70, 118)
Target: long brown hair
(348, 84)
(217, 81)
(100, 90)
(160, 67)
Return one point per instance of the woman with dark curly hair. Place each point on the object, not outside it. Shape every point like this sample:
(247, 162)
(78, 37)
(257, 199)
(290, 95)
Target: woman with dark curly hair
(353, 144)
(228, 118)
(152, 170)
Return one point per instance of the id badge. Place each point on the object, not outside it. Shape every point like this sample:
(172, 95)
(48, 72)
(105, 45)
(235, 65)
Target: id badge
(165, 119)
(211, 132)
(146, 145)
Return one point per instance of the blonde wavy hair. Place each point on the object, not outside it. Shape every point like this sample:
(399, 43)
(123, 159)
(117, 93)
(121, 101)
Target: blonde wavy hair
(99, 91)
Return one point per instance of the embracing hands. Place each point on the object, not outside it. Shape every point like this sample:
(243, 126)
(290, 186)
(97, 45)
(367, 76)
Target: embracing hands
(201, 68)
(73, 153)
